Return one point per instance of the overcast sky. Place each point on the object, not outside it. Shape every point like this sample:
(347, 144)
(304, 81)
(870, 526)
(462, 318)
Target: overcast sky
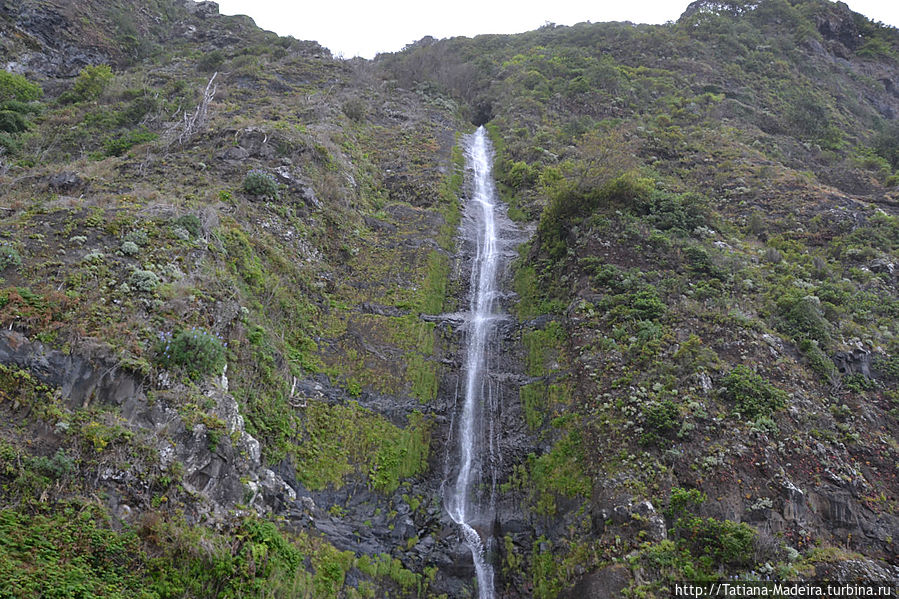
(364, 28)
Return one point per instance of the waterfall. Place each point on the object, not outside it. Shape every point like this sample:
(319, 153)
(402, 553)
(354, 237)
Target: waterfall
(470, 499)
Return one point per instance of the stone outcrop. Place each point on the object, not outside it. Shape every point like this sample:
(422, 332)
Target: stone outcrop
(222, 468)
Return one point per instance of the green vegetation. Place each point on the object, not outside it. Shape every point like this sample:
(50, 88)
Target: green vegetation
(18, 103)
(195, 352)
(92, 81)
(703, 195)
(753, 395)
(260, 183)
(542, 346)
(9, 257)
(338, 441)
(713, 541)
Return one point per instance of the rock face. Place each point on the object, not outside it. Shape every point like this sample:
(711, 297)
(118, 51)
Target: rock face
(214, 463)
(838, 24)
(54, 50)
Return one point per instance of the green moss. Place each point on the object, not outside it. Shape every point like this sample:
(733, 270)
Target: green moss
(340, 440)
(422, 374)
(433, 292)
(543, 346)
(531, 287)
(559, 472)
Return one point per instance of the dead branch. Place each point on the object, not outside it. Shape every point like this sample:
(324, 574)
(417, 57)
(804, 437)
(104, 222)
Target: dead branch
(192, 123)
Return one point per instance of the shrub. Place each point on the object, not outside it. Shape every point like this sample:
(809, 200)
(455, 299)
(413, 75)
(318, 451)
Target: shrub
(660, 420)
(15, 87)
(211, 61)
(683, 501)
(753, 395)
(119, 145)
(354, 109)
(724, 541)
(12, 121)
(190, 223)
(196, 351)
(666, 210)
(886, 144)
(92, 81)
(143, 280)
(646, 305)
(129, 248)
(817, 359)
(520, 175)
(568, 202)
(803, 318)
(858, 382)
(9, 256)
(138, 237)
(260, 183)
(773, 256)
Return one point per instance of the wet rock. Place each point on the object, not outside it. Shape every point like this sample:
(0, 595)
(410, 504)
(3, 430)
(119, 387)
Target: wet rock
(213, 464)
(605, 583)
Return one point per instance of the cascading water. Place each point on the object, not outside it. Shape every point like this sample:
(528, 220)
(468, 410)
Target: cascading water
(470, 499)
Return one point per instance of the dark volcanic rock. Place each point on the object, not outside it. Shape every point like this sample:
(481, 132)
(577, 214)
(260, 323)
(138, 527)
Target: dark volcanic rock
(838, 24)
(605, 583)
(214, 471)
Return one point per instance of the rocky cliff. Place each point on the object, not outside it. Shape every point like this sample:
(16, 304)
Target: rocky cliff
(231, 278)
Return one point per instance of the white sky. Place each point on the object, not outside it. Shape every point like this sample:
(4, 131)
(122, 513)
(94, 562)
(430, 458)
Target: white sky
(364, 28)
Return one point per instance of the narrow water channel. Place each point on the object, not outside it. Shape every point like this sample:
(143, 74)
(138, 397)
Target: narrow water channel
(471, 498)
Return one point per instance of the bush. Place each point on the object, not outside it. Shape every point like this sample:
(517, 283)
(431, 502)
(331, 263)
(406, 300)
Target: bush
(354, 109)
(753, 395)
(129, 248)
(190, 223)
(260, 183)
(683, 212)
(660, 421)
(520, 175)
(9, 256)
(16, 87)
(137, 237)
(197, 352)
(92, 81)
(803, 318)
(886, 144)
(143, 280)
(211, 61)
(119, 145)
(817, 359)
(646, 305)
(12, 122)
(723, 541)
(568, 202)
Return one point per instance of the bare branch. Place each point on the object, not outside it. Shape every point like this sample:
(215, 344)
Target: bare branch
(182, 131)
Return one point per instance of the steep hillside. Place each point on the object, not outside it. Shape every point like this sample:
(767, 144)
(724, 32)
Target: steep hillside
(216, 247)
(709, 302)
(230, 265)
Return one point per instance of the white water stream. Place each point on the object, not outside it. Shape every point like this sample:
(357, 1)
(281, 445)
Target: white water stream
(470, 499)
